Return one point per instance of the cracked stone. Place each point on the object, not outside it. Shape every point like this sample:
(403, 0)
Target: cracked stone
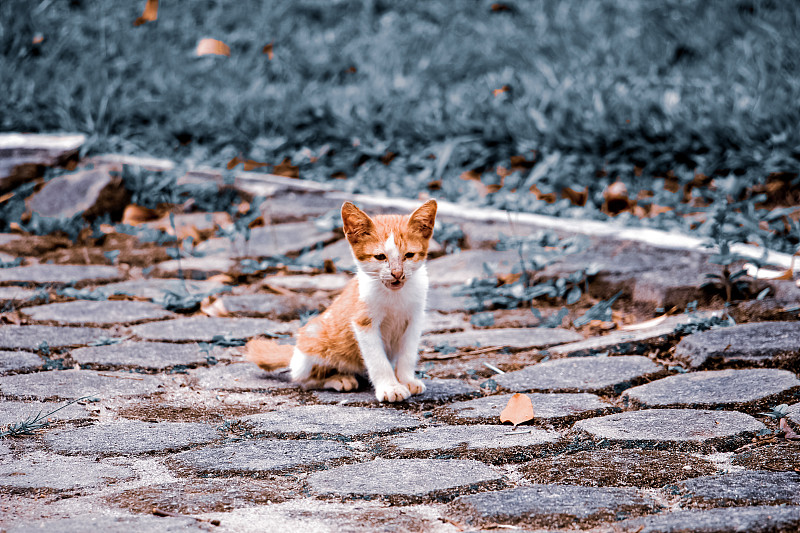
(607, 374)
(404, 478)
(112, 524)
(59, 274)
(551, 505)
(436, 390)
(32, 337)
(756, 344)
(682, 428)
(265, 455)
(200, 328)
(102, 312)
(480, 437)
(59, 472)
(74, 384)
(514, 338)
(456, 269)
(19, 361)
(753, 519)
(149, 355)
(240, 377)
(744, 488)
(269, 241)
(123, 437)
(330, 420)
(551, 408)
(714, 388)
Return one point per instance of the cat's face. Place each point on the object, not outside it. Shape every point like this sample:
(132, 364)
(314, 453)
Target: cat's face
(389, 248)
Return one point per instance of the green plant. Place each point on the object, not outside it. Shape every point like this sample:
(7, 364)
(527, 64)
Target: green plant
(34, 422)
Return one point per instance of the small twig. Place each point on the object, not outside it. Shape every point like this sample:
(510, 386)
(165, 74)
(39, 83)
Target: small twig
(119, 377)
(169, 514)
(493, 368)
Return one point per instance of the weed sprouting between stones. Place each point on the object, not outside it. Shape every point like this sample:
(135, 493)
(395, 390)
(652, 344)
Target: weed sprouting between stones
(34, 422)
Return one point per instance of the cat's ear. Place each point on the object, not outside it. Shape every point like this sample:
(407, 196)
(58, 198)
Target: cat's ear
(357, 223)
(421, 221)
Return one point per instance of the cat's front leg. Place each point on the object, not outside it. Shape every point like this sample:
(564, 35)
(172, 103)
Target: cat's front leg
(379, 369)
(409, 354)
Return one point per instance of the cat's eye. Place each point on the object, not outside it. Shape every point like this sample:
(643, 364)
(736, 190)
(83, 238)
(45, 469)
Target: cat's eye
(409, 255)
(380, 257)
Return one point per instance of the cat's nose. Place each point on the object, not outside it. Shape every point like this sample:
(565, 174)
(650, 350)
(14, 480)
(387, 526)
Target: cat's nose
(397, 273)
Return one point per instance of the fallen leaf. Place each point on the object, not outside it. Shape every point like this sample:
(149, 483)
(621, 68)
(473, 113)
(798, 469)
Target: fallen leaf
(285, 168)
(38, 38)
(501, 90)
(227, 279)
(339, 176)
(470, 175)
(755, 272)
(136, 214)
(644, 325)
(250, 164)
(149, 14)
(435, 185)
(518, 410)
(213, 307)
(788, 432)
(576, 197)
(498, 7)
(233, 162)
(212, 47)
(616, 198)
(268, 50)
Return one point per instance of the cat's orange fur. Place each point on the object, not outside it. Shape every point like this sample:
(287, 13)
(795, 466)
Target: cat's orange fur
(373, 327)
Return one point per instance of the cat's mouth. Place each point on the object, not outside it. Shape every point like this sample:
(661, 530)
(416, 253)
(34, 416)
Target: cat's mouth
(394, 284)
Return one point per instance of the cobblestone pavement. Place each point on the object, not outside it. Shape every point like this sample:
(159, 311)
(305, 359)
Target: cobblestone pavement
(657, 429)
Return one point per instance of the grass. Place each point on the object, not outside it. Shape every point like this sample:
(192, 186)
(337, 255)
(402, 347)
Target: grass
(402, 97)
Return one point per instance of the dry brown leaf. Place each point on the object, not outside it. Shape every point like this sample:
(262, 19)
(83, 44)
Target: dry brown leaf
(471, 175)
(616, 198)
(755, 272)
(788, 432)
(136, 214)
(149, 14)
(518, 410)
(250, 164)
(233, 162)
(285, 168)
(213, 307)
(268, 50)
(38, 38)
(501, 90)
(576, 197)
(212, 47)
(7, 196)
(644, 325)
(225, 279)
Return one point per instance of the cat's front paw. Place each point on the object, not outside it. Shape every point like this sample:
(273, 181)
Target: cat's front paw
(393, 392)
(414, 385)
(341, 383)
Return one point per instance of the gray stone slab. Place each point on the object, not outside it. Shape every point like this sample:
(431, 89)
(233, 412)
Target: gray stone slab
(90, 192)
(794, 413)
(550, 408)
(101, 313)
(436, 322)
(158, 288)
(112, 524)
(149, 355)
(267, 241)
(514, 338)
(60, 472)
(611, 374)
(123, 437)
(19, 361)
(404, 478)
(331, 420)
(753, 519)
(200, 328)
(297, 206)
(436, 391)
(73, 384)
(442, 299)
(240, 377)
(551, 506)
(456, 269)
(302, 282)
(22, 154)
(31, 337)
(269, 305)
(59, 274)
(756, 344)
(676, 288)
(339, 252)
(17, 295)
(13, 411)
(714, 388)
(478, 437)
(196, 268)
(263, 455)
(617, 468)
(744, 488)
(672, 427)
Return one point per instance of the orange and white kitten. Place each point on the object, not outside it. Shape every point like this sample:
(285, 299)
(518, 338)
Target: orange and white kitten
(373, 327)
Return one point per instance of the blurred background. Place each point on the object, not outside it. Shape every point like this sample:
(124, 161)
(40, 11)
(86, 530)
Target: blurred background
(686, 105)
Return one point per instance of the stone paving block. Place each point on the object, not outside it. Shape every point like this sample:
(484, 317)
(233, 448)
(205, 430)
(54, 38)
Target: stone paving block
(436, 322)
(555, 408)
(405, 480)
(149, 355)
(794, 413)
(200, 328)
(32, 337)
(436, 391)
(22, 155)
(74, 384)
(13, 411)
(59, 274)
(102, 312)
(19, 361)
(301, 282)
(596, 374)
(478, 437)
(275, 306)
(339, 252)
(456, 269)
(294, 206)
(331, 420)
(772, 344)
(617, 468)
(240, 377)
(551, 506)
(442, 299)
(278, 239)
(743, 488)
(779, 457)
(264, 455)
(715, 388)
(676, 289)
(90, 191)
(124, 437)
(673, 428)
(13, 296)
(196, 268)
(113, 524)
(754, 519)
(513, 318)
(59, 472)
(158, 288)
(514, 338)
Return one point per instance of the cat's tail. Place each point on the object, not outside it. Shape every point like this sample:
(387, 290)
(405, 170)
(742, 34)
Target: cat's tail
(268, 354)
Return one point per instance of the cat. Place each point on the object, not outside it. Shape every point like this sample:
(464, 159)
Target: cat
(374, 326)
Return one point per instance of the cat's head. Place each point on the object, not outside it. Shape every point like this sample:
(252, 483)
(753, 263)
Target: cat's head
(389, 248)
